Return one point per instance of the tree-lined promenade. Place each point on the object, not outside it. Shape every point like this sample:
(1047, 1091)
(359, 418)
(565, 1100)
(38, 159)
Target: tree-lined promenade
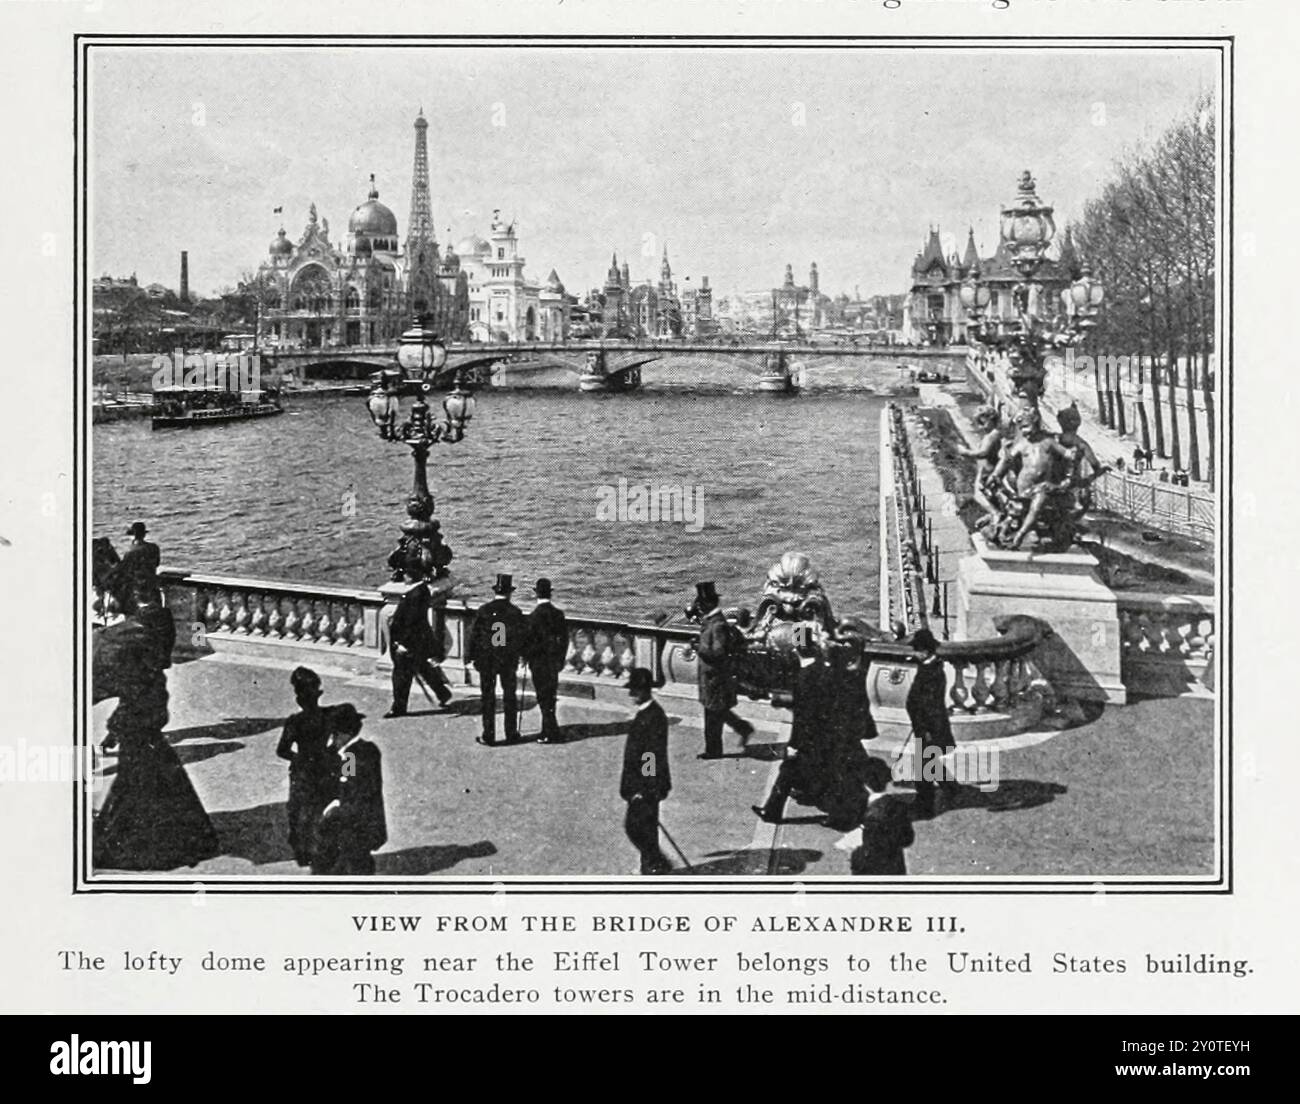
(1150, 236)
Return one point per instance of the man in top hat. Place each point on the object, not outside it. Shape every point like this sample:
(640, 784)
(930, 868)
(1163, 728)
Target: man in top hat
(645, 781)
(548, 646)
(138, 568)
(416, 650)
(353, 824)
(719, 642)
(498, 636)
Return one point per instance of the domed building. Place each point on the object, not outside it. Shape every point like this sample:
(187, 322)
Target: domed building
(504, 304)
(366, 291)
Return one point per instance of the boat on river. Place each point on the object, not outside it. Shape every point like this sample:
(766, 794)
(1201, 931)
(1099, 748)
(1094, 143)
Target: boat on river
(182, 407)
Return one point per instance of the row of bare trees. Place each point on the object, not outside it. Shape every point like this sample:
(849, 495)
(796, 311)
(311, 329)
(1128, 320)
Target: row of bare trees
(1150, 237)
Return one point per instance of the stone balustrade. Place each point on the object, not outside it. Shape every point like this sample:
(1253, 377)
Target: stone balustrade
(994, 687)
(1167, 641)
(320, 617)
(989, 680)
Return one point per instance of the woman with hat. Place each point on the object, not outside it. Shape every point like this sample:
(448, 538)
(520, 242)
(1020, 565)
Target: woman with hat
(152, 818)
(312, 769)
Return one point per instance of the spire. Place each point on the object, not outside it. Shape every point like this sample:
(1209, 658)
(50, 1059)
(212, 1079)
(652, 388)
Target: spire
(419, 231)
(374, 191)
(665, 269)
(971, 258)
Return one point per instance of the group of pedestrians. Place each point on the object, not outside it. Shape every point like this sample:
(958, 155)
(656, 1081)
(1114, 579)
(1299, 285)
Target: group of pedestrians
(152, 818)
(500, 638)
(336, 788)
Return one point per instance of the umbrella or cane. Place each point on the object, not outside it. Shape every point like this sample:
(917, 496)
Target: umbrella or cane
(679, 851)
(911, 732)
(424, 689)
(519, 716)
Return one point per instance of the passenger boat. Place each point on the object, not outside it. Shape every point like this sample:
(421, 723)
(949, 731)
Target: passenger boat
(182, 407)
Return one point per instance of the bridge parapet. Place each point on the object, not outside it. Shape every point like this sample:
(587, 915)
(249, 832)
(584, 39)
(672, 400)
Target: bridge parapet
(992, 682)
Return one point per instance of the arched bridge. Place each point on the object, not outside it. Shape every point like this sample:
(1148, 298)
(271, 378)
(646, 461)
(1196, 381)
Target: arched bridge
(616, 365)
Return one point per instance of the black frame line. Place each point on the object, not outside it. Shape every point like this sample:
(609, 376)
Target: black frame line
(83, 879)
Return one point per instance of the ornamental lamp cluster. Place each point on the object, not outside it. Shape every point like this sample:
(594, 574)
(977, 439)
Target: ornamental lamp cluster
(421, 355)
(1027, 230)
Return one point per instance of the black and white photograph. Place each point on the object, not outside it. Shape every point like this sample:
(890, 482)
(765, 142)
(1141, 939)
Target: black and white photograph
(654, 464)
(558, 507)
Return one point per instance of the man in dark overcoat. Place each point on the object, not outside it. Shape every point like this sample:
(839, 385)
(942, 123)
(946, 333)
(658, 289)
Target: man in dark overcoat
(498, 636)
(353, 824)
(416, 650)
(646, 780)
(548, 647)
(720, 642)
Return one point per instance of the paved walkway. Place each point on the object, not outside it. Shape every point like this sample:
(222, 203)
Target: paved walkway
(1129, 793)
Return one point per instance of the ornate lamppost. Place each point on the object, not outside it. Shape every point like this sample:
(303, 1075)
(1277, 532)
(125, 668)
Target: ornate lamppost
(1034, 501)
(421, 553)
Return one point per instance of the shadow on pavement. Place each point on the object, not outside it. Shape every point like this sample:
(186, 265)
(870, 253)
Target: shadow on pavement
(259, 834)
(572, 733)
(1011, 795)
(750, 862)
(416, 861)
(232, 728)
(192, 754)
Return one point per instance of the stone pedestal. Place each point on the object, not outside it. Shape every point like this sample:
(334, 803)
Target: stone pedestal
(1082, 658)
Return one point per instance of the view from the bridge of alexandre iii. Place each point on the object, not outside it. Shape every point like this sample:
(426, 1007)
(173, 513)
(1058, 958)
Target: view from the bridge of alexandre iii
(801, 480)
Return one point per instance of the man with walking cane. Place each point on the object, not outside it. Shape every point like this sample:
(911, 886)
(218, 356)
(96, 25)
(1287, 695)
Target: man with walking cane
(645, 781)
(416, 650)
(548, 645)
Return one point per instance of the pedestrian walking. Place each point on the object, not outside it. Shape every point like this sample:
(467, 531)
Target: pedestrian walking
(719, 643)
(927, 709)
(416, 649)
(353, 825)
(646, 780)
(313, 770)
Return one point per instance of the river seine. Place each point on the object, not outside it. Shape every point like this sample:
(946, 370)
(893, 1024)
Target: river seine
(316, 496)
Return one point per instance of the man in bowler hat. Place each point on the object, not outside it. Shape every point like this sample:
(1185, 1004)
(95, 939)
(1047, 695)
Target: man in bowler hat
(498, 636)
(416, 649)
(645, 781)
(548, 646)
(137, 570)
(719, 642)
(353, 824)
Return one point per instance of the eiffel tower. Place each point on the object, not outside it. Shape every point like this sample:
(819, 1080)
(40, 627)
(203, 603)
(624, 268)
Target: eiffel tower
(423, 288)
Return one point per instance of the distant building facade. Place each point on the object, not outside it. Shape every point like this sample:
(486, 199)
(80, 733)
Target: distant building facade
(504, 304)
(935, 315)
(366, 290)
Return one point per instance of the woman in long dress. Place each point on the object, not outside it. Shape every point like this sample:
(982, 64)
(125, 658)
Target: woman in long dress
(152, 818)
(313, 767)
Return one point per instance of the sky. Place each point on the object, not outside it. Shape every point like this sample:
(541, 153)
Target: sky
(739, 160)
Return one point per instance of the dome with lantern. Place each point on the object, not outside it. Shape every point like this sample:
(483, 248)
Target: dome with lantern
(373, 222)
(282, 246)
